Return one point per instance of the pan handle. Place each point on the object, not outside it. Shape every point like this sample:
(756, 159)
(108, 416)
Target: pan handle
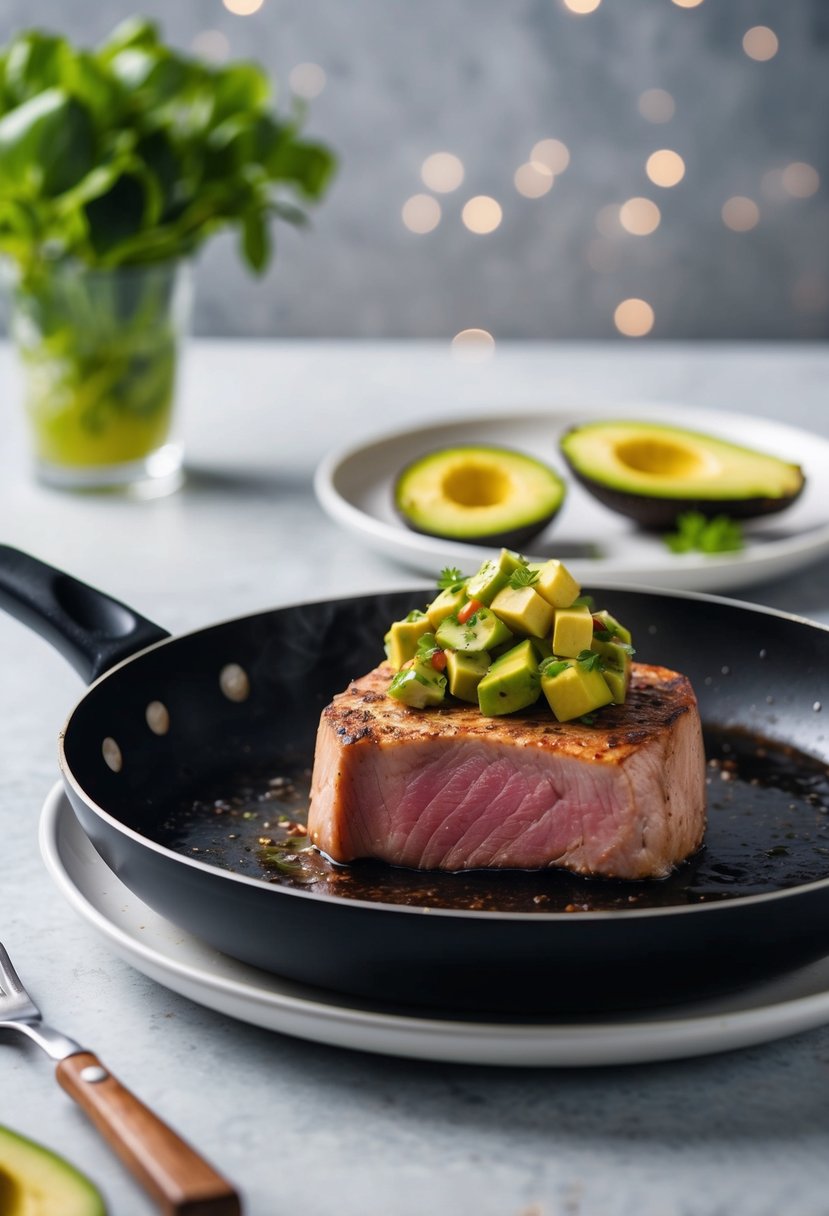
(92, 630)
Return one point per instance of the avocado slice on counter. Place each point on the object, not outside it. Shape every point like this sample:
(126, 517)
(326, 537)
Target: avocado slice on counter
(479, 494)
(652, 472)
(37, 1182)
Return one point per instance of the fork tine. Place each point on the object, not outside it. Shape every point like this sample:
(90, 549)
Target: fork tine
(15, 1003)
(9, 979)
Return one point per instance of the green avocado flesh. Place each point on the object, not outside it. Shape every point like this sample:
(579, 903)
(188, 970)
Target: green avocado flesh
(538, 636)
(36, 1182)
(652, 472)
(484, 495)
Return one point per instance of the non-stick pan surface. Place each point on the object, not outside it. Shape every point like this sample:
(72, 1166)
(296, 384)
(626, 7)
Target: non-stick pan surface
(186, 766)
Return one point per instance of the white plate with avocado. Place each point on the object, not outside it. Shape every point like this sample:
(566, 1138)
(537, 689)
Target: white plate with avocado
(355, 486)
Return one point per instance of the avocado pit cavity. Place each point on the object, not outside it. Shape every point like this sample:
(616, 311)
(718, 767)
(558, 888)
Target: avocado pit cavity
(476, 485)
(658, 458)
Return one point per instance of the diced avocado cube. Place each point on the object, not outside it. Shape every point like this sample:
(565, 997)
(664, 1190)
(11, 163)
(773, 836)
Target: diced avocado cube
(523, 611)
(616, 631)
(419, 685)
(511, 683)
(572, 631)
(555, 583)
(618, 681)
(483, 631)
(572, 689)
(403, 636)
(465, 670)
(543, 648)
(449, 602)
(493, 575)
(616, 663)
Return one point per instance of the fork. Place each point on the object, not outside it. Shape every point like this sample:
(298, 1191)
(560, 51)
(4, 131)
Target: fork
(179, 1180)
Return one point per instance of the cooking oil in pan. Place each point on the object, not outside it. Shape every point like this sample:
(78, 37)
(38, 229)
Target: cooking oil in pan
(768, 830)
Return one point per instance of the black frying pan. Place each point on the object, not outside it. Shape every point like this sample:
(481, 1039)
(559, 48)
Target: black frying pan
(186, 763)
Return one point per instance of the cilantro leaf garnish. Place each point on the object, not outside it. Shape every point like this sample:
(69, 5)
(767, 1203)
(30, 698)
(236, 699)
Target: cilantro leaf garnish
(590, 660)
(583, 601)
(450, 579)
(588, 719)
(553, 667)
(426, 646)
(522, 577)
(695, 532)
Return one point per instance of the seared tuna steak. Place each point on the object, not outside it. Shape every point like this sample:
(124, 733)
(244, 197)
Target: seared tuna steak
(450, 789)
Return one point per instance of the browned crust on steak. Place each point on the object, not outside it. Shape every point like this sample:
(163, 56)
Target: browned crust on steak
(657, 697)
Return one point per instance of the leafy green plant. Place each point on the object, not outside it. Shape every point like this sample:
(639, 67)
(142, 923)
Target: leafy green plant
(115, 165)
(134, 153)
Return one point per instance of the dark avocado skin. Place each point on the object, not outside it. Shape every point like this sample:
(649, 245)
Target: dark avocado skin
(660, 514)
(514, 539)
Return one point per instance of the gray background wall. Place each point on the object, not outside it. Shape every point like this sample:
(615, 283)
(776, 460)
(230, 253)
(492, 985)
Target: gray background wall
(486, 79)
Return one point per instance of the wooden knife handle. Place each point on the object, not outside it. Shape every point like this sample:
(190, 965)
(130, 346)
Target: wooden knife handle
(180, 1181)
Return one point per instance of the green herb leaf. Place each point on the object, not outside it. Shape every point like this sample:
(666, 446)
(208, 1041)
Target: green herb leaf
(426, 646)
(696, 533)
(523, 577)
(450, 579)
(553, 667)
(584, 601)
(588, 719)
(590, 660)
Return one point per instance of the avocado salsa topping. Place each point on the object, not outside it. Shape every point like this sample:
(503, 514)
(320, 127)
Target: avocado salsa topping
(504, 637)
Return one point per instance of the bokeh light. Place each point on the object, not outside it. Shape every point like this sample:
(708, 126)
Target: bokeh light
(602, 255)
(687, 3)
(211, 45)
(532, 181)
(760, 43)
(656, 105)
(582, 6)
(665, 167)
(421, 213)
(243, 8)
(306, 80)
(634, 318)
(810, 294)
(482, 214)
(639, 216)
(800, 180)
(442, 172)
(473, 345)
(607, 220)
(740, 214)
(550, 154)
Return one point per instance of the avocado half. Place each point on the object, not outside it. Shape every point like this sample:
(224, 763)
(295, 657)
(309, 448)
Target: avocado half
(652, 472)
(37, 1182)
(482, 495)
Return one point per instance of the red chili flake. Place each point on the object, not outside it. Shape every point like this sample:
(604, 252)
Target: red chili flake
(469, 609)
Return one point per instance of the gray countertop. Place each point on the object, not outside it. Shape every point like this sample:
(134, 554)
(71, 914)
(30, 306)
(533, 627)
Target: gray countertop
(314, 1129)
